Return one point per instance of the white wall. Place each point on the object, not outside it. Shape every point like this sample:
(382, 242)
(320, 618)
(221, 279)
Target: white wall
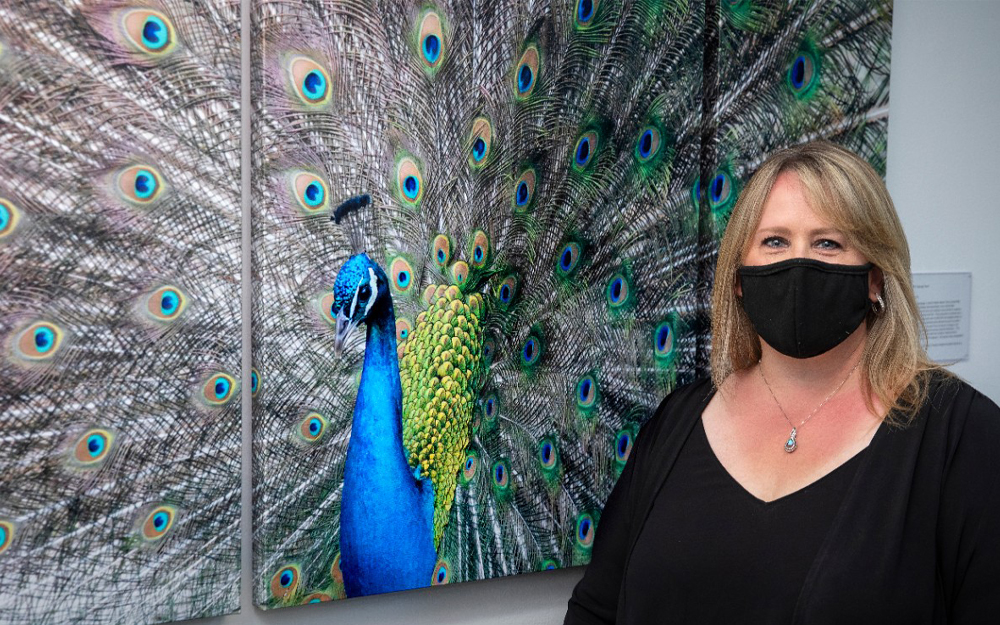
(944, 137)
(944, 159)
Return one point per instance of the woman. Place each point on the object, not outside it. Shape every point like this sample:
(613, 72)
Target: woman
(828, 472)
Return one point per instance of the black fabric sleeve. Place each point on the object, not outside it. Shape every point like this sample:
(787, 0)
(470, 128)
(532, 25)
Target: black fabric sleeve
(595, 598)
(970, 513)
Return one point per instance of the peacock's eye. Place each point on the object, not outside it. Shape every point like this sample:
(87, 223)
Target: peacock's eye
(364, 292)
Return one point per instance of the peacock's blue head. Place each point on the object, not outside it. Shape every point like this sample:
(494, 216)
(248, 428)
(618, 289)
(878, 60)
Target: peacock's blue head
(361, 287)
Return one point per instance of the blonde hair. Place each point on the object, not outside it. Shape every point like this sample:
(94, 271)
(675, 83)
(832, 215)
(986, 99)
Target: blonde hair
(846, 191)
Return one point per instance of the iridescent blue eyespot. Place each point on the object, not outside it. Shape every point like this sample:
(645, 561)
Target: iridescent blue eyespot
(44, 339)
(155, 34)
(314, 194)
(170, 301)
(584, 531)
(615, 291)
(221, 388)
(583, 152)
(285, 582)
(531, 351)
(501, 475)
(623, 445)
(95, 445)
(569, 258)
(521, 196)
(411, 187)
(254, 381)
(314, 85)
(145, 184)
(479, 149)
(527, 72)
(524, 78)
(663, 340)
(432, 48)
(158, 522)
(584, 11)
(646, 143)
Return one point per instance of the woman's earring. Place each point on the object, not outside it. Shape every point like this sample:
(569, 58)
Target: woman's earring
(879, 304)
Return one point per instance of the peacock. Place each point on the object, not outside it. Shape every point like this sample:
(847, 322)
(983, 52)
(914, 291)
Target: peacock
(519, 202)
(120, 317)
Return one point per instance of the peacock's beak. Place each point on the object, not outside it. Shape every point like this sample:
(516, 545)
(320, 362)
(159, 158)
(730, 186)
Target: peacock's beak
(344, 328)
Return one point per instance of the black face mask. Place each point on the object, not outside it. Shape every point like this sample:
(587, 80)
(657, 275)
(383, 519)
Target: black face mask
(804, 307)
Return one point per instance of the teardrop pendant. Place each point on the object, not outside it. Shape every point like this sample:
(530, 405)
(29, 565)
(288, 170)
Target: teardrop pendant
(790, 444)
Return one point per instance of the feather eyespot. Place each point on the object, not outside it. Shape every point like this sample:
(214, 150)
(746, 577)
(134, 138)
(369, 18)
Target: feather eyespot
(166, 303)
(403, 329)
(481, 141)
(285, 582)
(586, 392)
(623, 446)
(526, 73)
(569, 258)
(585, 11)
(219, 389)
(489, 349)
(149, 31)
(158, 522)
(310, 192)
(6, 535)
(480, 249)
(501, 474)
(441, 250)
(586, 147)
(431, 38)
(507, 290)
(584, 530)
(524, 189)
(803, 73)
(409, 181)
(459, 272)
(310, 80)
(254, 382)
(93, 447)
(663, 340)
(548, 454)
(312, 427)
(531, 351)
(316, 597)
(548, 565)
(648, 144)
(140, 184)
(618, 291)
(720, 191)
(9, 217)
(442, 573)
(470, 466)
(401, 274)
(491, 407)
(39, 341)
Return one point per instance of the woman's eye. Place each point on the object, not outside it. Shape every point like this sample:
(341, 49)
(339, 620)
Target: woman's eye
(773, 242)
(828, 244)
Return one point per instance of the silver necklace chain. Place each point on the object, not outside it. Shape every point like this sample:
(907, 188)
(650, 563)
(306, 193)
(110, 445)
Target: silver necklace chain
(792, 443)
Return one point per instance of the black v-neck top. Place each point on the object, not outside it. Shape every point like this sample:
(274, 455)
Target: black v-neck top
(708, 538)
(915, 537)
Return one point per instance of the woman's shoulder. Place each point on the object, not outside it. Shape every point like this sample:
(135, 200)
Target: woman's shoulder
(963, 409)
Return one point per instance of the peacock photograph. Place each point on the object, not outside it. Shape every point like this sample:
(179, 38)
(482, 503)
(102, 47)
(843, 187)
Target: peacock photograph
(120, 320)
(482, 242)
